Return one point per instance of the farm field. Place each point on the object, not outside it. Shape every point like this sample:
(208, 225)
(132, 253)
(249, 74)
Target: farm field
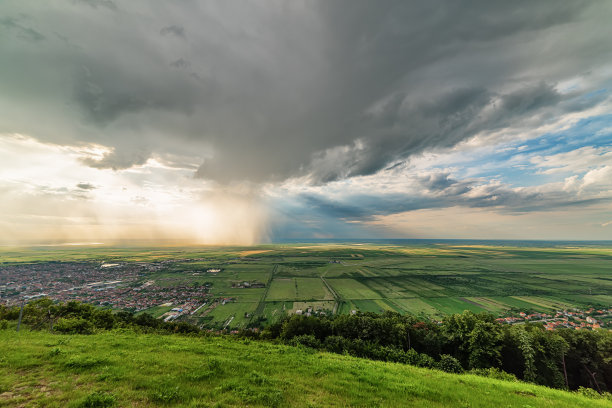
(429, 279)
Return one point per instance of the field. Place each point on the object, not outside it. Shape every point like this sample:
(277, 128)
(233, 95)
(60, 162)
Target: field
(430, 280)
(126, 369)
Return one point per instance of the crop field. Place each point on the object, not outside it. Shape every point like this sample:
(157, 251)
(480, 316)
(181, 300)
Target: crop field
(430, 280)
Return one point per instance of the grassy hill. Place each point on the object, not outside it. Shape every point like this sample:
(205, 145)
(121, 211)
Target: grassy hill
(127, 369)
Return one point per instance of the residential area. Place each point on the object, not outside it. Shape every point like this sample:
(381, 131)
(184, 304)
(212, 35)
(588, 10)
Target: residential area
(578, 319)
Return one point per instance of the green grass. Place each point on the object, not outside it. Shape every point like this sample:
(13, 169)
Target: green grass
(127, 369)
(234, 311)
(298, 289)
(353, 289)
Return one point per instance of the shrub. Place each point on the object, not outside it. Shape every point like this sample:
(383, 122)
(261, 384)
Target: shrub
(449, 364)
(426, 361)
(74, 325)
(307, 340)
(412, 357)
(99, 399)
(3, 325)
(591, 393)
(493, 372)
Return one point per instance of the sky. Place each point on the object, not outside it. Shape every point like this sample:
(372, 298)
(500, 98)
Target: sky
(226, 122)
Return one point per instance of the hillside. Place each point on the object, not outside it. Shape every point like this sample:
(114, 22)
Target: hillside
(127, 369)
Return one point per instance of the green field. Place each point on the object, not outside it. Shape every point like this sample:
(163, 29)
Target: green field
(127, 369)
(430, 280)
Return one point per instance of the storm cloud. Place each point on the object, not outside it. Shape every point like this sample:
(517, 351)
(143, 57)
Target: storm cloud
(267, 91)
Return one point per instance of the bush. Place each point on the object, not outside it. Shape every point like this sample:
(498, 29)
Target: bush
(99, 399)
(449, 364)
(493, 373)
(591, 393)
(335, 344)
(74, 325)
(307, 340)
(426, 361)
(3, 325)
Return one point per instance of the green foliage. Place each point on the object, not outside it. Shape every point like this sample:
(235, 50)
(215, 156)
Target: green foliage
(475, 339)
(166, 394)
(591, 393)
(449, 364)
(528, 355)
(4, 325)
(77, 325)
(99, 399)
(307, 340)
(493, 372)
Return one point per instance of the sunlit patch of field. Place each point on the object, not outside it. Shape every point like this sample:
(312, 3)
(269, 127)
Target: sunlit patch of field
(373, 305)
(253, 252)
(490, 304)
(416, 306)
(452, 305)
(352, 289)
(543, 302)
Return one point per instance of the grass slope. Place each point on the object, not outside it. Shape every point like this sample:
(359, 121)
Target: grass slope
(42, 369)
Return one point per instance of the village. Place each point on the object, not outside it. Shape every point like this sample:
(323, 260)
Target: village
(577, 319)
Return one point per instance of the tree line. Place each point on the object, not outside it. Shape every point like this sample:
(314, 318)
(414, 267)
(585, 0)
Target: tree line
(562, 358)
(83, 318)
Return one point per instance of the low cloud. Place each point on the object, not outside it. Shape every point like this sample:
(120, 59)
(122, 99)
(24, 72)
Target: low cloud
(86, 186)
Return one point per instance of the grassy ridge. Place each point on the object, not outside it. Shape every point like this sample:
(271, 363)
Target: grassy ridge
(42, 369)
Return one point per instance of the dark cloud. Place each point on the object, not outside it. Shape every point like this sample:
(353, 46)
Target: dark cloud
(363, 207)
(118, 160)
(98, 3)
(86, 186)
(180, 63)
(174, 30)
(105, 93)
(330, 90)
(19, 30)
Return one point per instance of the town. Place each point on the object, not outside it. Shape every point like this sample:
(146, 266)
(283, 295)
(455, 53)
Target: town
(108, 285)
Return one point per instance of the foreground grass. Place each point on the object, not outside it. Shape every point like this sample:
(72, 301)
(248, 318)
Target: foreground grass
(127, 369)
